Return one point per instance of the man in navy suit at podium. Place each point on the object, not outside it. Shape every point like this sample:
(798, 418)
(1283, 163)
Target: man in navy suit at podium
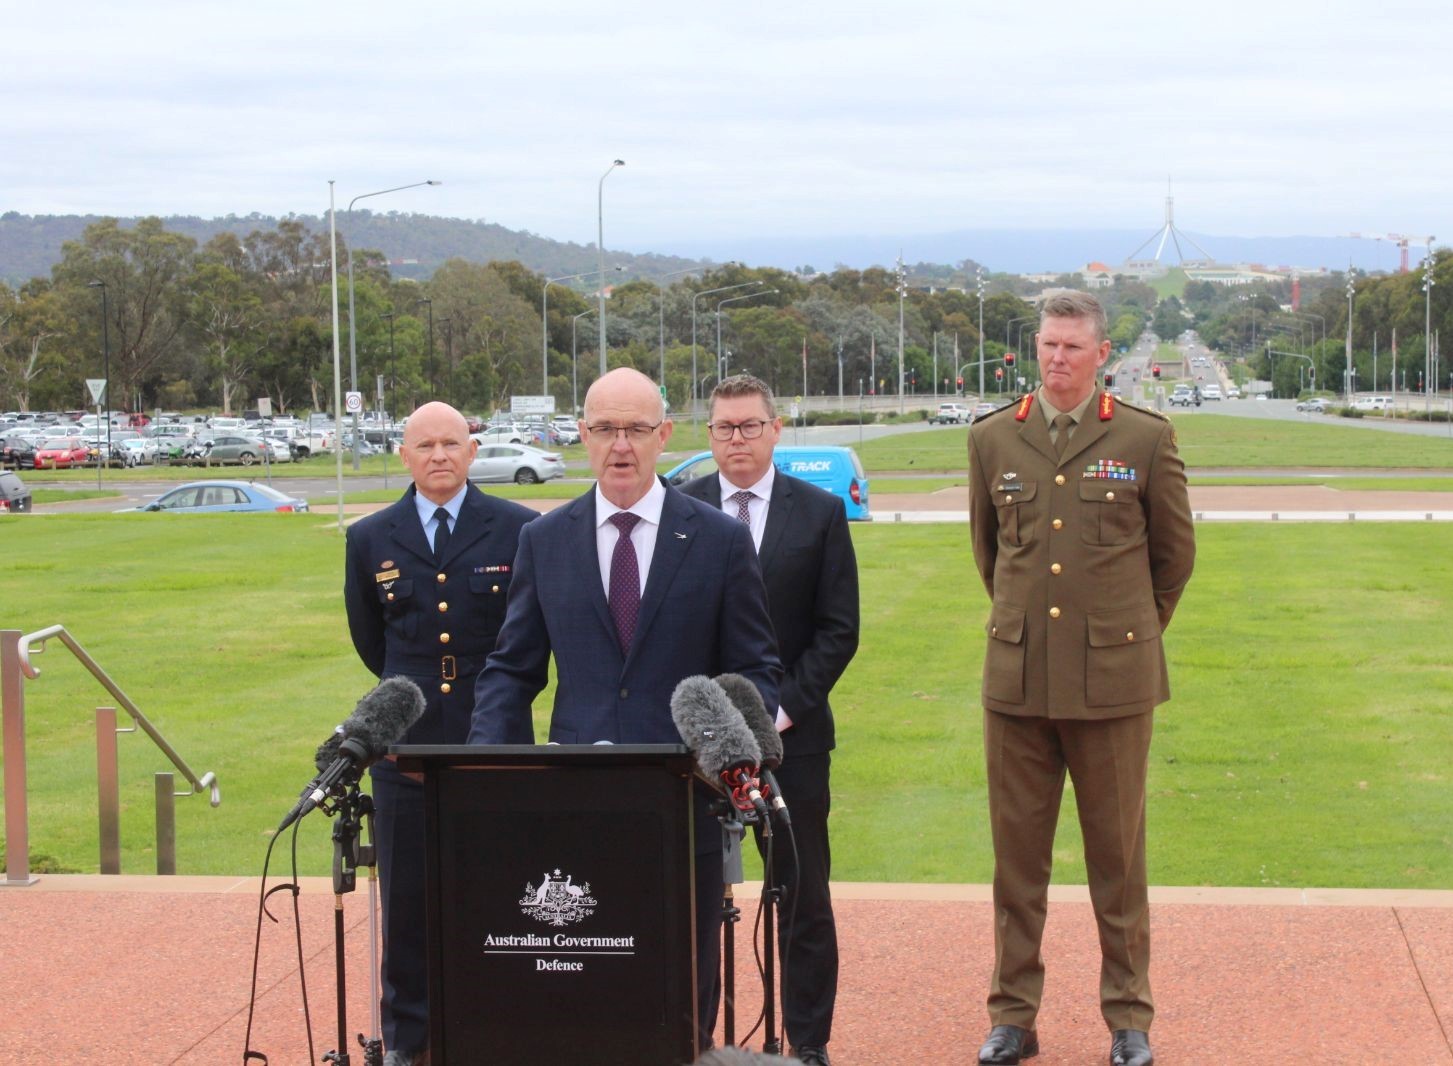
(633, 587)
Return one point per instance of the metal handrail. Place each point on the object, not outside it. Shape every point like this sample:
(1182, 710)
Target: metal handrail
(207, 782)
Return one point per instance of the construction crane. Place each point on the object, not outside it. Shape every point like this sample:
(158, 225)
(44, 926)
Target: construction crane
(1400, 240)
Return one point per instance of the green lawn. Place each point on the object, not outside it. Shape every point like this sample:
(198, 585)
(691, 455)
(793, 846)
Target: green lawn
(1205, 441)
(1307, 743)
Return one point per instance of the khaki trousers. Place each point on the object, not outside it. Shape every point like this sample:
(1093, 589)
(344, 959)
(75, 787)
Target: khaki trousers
(1107, 759)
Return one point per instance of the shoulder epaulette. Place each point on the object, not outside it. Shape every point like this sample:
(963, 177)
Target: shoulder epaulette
(1021, 409)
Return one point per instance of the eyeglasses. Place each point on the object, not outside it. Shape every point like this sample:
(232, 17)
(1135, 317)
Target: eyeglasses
(750, 430)
(636, 431)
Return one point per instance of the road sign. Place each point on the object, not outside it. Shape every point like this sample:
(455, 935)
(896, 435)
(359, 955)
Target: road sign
(353, 402)
(264, 406)
(532, 405)
(98, 389)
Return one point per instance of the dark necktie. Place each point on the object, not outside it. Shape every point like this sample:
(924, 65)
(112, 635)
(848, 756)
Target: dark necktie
(1063, 425)
(441, 534)
(742, 498)
(625, 579)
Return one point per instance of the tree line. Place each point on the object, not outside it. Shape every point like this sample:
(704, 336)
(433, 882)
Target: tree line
(216, 325)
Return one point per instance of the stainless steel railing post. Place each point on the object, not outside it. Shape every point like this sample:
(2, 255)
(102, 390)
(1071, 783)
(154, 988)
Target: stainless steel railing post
(12, 710)
(108, 790)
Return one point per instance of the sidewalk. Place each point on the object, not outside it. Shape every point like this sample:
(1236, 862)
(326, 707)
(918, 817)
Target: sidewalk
(137, 969)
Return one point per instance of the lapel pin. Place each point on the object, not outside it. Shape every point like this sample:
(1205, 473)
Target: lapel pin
(680, 536)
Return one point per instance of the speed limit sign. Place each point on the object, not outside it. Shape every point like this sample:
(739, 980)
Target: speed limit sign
(353, 402)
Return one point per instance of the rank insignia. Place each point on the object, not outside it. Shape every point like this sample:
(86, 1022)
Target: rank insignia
(1111, 469)
(1024, 406)
(386, 575)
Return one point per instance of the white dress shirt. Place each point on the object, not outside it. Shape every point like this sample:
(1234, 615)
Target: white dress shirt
(643, 535)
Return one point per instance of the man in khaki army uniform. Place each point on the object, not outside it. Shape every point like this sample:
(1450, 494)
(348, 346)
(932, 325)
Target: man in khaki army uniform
(1082, 534)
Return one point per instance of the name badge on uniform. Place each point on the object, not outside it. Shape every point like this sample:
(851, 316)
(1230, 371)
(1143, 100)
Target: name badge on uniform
(503, 569)
(386, 575)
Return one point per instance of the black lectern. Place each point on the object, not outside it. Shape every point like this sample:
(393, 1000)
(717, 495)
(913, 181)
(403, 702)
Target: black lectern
(559, 903)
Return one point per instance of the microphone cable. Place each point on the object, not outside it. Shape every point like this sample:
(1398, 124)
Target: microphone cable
(248, 1054)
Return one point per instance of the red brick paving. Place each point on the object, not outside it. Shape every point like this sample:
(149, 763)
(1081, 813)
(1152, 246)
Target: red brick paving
(156, 970)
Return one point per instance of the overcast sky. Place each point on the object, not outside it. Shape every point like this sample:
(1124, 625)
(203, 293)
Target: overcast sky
(780, 119)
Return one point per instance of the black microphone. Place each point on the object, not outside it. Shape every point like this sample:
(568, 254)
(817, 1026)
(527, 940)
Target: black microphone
(716, 734)
(748, 702)
(380, 719)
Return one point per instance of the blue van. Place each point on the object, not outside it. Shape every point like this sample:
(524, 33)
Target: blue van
(833, 469)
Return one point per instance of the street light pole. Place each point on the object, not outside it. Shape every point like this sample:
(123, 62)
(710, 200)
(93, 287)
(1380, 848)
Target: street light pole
(661, 294)
(721, 370)
(389, 398)
(574, 365)
(979, 271)
(337, 355)
(352, 343)
(902, 292)
(600, 250)
(433, 388)
(545, 323)
(105, 370)
(1347, 372)
(694, 297)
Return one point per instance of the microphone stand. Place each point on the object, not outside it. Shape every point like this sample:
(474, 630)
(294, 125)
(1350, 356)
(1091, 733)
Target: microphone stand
(771, 897)
(732, 832)
(355, 810)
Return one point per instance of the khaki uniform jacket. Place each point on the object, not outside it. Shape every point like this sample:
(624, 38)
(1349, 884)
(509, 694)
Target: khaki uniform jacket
(1084, 558)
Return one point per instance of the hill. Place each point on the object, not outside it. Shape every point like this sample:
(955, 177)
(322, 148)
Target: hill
(415, 244)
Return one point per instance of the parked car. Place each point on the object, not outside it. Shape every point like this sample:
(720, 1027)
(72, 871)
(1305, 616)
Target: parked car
(199, 497)
(61, 453)
(229, 449)
(18, 451)
(983, 408)
(138, 451)
(1317, 405)
(1185, 396)
(833, 469)
(950, 412)
(519, 463)
(14, 496)
(503, 433)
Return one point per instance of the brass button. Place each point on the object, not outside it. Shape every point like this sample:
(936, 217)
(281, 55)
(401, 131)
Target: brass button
(1008, 498)
(1054, 612)
(1059, 479)
(1058, 523)
(1130, 635)
(443, 607)
(446, 688)
(1054, 568)
(442, 578)
(390, 595)
(625, 693)
(494, 588)
(1109, 495)
(443, 638)
(993, 631)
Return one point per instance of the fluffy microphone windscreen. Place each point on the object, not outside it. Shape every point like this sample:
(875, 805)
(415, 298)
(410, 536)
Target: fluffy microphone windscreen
(748, 702)
(711, 727)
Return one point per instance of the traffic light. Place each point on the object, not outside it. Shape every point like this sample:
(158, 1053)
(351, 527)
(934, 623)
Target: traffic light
(961, 383)
(998, 373)
(1008, 358)
(1155, 370)
(1311, 373)
(1109, 380)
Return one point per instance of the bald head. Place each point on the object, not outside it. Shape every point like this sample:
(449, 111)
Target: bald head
(438, 449)
(625, 385)
(625, 431)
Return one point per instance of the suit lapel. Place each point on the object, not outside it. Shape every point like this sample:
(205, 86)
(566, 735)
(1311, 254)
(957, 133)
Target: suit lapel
(779, 517)
(408, 531)
(584, 560)
(1034, 432)
(472, 524)
(673, 541)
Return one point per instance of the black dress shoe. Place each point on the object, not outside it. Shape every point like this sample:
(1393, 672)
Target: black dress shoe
(817, 1056)
(1130, 1047)
(1007, 1045)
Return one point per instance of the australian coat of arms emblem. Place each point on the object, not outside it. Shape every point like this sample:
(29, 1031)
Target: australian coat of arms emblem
(556, 901)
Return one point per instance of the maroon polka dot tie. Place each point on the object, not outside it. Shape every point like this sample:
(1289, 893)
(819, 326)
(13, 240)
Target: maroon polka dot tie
(625, 579)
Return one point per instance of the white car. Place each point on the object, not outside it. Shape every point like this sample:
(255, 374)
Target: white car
(503, 433)
(519, 463)
(1211, 392)
(138, 451)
